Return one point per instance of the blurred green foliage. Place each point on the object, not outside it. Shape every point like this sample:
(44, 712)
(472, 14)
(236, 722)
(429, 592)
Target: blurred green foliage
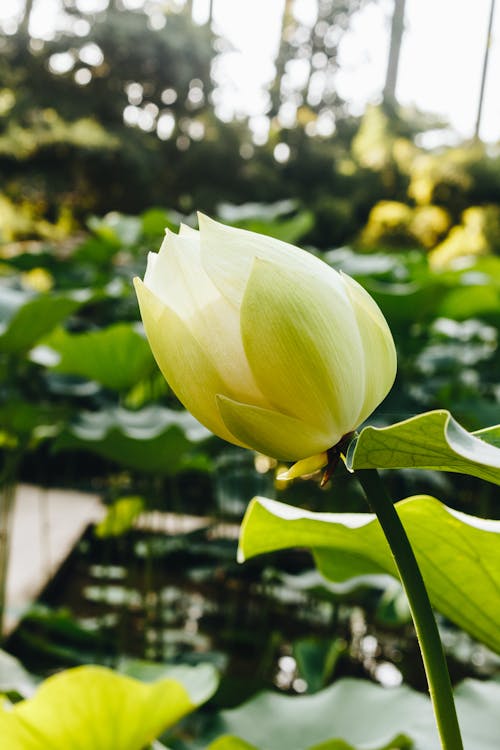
(124, 116)
(73, 354)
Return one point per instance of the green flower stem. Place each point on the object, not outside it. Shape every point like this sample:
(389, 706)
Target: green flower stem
(433, 657)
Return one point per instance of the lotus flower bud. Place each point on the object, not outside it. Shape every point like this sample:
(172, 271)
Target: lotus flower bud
(262, 342)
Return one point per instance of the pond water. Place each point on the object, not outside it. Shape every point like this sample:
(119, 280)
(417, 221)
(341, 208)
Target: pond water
(183, 598)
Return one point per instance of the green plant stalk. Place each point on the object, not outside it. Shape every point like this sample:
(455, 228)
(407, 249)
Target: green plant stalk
(436, 669)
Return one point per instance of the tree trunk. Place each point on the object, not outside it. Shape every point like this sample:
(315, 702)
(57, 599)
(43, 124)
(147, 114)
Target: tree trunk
(397, 31)
(485, 71)
(281, 58)
(25, 20)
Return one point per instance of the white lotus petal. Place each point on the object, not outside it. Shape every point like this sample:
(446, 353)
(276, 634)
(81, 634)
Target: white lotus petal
(228, 253)
(181, 282)
(177, 276)
(186, 231)
(185, 365)
(150, 269)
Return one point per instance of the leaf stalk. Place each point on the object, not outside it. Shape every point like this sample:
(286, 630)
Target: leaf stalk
(434, 660)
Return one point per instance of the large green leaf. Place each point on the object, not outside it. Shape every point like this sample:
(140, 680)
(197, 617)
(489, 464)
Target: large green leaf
(433, 440)
(153, 439)
(273, 722)
(459, 555)
(117, 357)
(26, 320)
(93, 707)
(358, 715)
(200, 681)
(229, 742)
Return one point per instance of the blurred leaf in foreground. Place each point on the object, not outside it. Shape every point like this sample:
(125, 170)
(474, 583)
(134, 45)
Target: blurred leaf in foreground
(93, 707)
(357, 715)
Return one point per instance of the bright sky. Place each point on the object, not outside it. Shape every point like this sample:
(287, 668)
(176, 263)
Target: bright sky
(440, 67)
(441, 57)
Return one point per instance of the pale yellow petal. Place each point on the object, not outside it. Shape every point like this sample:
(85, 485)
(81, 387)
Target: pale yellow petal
(378, 346)
(185, 365)
(303, 345)
(270, 432)
(180, 281)
(304, 466)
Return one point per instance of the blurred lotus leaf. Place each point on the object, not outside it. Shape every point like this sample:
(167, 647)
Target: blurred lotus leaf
(21, 422)
(94, 707)
(116, 228)
(200, 681)
(153, 439)
(156, 220)
(118, 357)
(229, 742)
(281, 219)
(25, 318)
(398, 717)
